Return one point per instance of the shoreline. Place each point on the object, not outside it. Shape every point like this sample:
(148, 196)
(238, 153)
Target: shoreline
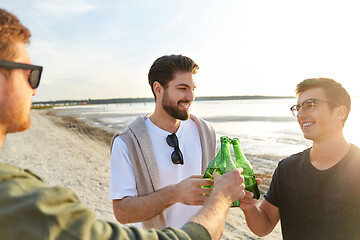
(78, 126)
(64, 150)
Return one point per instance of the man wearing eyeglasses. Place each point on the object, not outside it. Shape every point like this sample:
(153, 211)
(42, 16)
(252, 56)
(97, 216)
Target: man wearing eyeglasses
(157, 162)
(315, 193)
(30, 209)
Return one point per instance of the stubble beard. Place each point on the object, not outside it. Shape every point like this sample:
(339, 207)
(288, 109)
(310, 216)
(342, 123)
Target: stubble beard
(22, 122)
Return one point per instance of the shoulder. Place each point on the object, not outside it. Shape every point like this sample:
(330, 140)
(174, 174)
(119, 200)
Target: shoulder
(353, 159)
(202, 124)
(135, 125)
(9, 171)
(199, 120)
(6, 168)
(138, 123)
(294, 161)
(356, 150)
(25, 185)
(118, 142)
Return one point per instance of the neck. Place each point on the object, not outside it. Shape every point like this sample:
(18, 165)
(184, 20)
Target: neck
(326, 154)
(165, 121)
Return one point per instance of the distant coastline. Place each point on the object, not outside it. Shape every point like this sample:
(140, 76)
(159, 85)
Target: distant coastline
(140, 100)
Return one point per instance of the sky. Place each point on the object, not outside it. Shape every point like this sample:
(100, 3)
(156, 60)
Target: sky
(95, 49)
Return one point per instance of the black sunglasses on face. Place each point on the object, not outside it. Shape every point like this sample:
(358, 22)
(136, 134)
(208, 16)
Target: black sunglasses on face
(176, 156)
(35, 73)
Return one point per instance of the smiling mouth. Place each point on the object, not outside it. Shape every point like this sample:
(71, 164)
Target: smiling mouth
(185, 105)
(306, 125)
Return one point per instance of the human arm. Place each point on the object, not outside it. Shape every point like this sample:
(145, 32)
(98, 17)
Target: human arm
(31, 208)
(128, 207)
(137, 209)
(227, 189)
(261, 220)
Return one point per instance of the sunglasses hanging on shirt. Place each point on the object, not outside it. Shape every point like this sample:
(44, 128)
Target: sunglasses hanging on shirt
(176, 156)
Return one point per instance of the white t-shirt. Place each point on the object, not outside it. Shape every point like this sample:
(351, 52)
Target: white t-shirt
(122, 180)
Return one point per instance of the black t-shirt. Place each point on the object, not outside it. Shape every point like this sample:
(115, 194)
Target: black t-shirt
(317, 204)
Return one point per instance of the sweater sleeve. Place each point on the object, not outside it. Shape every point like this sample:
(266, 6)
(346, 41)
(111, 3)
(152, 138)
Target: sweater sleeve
(189, 231)
(29, 207)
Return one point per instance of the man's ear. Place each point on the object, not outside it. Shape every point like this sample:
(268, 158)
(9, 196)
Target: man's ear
(341, 112)
(157, 88)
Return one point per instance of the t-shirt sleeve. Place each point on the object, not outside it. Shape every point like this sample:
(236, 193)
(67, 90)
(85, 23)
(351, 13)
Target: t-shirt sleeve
(122, 180)
(272, 194)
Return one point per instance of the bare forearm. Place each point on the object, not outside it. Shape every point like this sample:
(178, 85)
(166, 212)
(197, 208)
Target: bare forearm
(213, 215)
(227, 188)
(259, 222)
(138, 209)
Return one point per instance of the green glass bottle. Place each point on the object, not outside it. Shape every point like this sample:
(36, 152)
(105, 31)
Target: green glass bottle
(248, 172)
(227, 164)
(222, 163)
(212, 167)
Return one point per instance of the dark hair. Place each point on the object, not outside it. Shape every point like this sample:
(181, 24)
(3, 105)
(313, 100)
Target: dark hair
(334, 91)
(11, 32)
(164, 69)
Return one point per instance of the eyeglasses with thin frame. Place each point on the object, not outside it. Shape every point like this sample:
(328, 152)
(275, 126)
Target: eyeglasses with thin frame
(35, 71)
(176, 156)
(307, 106)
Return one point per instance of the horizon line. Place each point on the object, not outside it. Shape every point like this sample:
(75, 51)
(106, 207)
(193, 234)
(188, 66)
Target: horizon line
(147, 99)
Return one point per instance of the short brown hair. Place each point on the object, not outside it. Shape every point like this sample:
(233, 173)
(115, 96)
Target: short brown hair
(164, 69)
(11, 32)
(334, 91)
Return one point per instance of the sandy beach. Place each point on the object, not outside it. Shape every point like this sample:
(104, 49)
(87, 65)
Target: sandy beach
(65, 151)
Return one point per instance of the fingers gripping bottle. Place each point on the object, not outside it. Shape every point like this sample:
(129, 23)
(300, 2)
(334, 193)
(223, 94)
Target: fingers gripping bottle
(248, 172)
(222, 163)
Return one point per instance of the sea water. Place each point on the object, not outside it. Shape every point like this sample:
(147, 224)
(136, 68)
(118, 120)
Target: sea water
(265, 127)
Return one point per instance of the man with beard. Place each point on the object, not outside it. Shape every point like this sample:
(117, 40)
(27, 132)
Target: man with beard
(156, 162)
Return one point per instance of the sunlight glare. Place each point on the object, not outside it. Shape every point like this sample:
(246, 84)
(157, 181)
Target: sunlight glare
(352, 127)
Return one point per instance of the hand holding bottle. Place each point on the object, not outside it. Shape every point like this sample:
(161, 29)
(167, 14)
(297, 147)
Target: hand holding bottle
(223, 163)
(227, 188)
(190, 192)
(230, 185)
(249, 201)
(248, 173)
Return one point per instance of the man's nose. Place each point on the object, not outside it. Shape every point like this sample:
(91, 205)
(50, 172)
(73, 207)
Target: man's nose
(191, 95)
